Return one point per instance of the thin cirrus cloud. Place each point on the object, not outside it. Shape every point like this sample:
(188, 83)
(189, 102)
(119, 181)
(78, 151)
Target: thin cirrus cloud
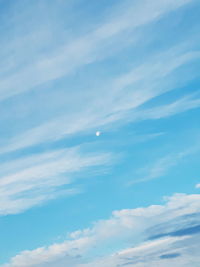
(84, 49)
(171, 223)
(33, 180)
(183, 104)
(130, 91)
(164, 164)
(151, 78)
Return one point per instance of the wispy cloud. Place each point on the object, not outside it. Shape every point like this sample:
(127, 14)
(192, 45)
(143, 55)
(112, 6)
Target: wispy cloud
(83, 50)
(126, 94)
(132, 229)
(31, 181)
(183, 104)
(163, 165)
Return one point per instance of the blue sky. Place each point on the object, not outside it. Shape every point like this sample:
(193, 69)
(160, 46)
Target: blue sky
(126, 68)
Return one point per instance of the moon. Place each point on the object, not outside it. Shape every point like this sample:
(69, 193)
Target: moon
(98, 133)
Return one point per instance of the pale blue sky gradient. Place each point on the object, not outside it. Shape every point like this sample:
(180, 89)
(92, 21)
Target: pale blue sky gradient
(129, 69)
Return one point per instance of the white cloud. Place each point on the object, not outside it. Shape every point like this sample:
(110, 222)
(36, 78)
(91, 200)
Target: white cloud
(197, 186)
(126, 94)
(133, 229)
(27, 182)
(85, 49)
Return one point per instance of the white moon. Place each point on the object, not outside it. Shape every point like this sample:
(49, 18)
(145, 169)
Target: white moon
(98, 133)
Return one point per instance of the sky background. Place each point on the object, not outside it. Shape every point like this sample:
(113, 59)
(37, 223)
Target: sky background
(130, 70)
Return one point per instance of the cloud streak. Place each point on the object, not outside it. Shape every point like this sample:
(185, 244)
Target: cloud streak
(127, 93)
(36, 179)
(85, 49)
(163, 165)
